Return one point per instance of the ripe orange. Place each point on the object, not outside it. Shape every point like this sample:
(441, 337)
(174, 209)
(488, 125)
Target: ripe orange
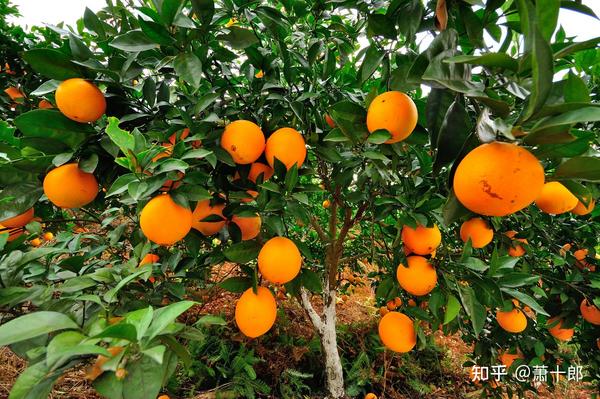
(287, 145)
(556, 199)
(48, 236)
(163, 397)
(507, 359)
(497, 179)
(563, 250)
(397, 332)
(326, 204)
(562, 334)
(18, 220)
(249, 226)
(590, 312)
(580, 254)
(36, 242)
(391, 305)
(69, 187)
(80, 100)
(513, 321)
(165, 222)
(257, 169)
(202, 211)
(244, 141)
(329, 121)
(397, 302)
(14, 93)
(478, 231)
(412, 303)
(370, 396)
(45, 104)
(515, 249)
(255, 314)
(149, 258)
(419, 278)
(394, 111)
(279, 260)
(421, 240)
(580, 209)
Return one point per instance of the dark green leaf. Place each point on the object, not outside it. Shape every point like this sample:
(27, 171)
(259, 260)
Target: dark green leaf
(242, 252)
(579, 168)
(133, 41)
(52, 63)
(189, 68)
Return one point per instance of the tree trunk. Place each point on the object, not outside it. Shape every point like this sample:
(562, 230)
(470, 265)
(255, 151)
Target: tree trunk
(325, 327)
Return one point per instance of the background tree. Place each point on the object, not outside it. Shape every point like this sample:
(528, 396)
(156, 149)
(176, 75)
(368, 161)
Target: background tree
(176, 77)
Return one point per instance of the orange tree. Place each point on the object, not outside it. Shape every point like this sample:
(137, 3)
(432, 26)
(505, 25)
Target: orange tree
(306, 142)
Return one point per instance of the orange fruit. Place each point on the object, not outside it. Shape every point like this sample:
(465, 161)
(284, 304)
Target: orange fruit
(556, 199)
(562, 334)
(120, 373)
(498, 179)
(370, 396)
(244, 141)
(419, 278)
(249, 226)
(48, 236)
(149, 258)
(580, 254)
(252, 196)
(202, 211)
(45, 104)
(257, 169)
(36, 242)
(412, 303)
(515, 250)
(421, 240)
(80, 100)
(255, 314)
(478, 231)
(287, 145)
(590, 312)
(397, 302)
(513, 321)
(507, 359)
(391, 305)
(69, 187)
(394, 111)
(163, 397)
(326, 204)
(165, 222)
(580, 209)
(397, 332)
(564, 249)
(14, 93)
(329, 121)
(19, 220)
(279, 260)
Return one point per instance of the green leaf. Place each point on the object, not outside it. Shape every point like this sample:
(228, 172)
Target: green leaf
(494, 60)
(33, 325)
(51, 124)
(542, 72)
(156, 32)
(52, 64)
(120, 330)
(239, 38)
(169, 9)
(476, 311)
(133, 41)
(144, 379)
(336, 136)
(93, 23)
(379, 136)
(579, 168)
(242, 252)
(163, 317)
(17, 198)
(526, 299)
(311, 281)
(236, 284)
(452, 309)
(122, 138)
(575, 89)
(371, 62)
(35, 382)
(212, 320)
(381, 25)
(204, 10)
(453, 210)
(547, 16)
(578, 7)
(69, 344)
(189, 68)
(579, 115)
(475, 264)
(453, 134)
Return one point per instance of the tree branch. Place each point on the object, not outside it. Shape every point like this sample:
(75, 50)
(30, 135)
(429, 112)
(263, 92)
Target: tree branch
(310, 311)
(317, 227)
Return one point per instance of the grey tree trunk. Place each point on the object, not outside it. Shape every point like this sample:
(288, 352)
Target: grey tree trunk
(325, 326)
